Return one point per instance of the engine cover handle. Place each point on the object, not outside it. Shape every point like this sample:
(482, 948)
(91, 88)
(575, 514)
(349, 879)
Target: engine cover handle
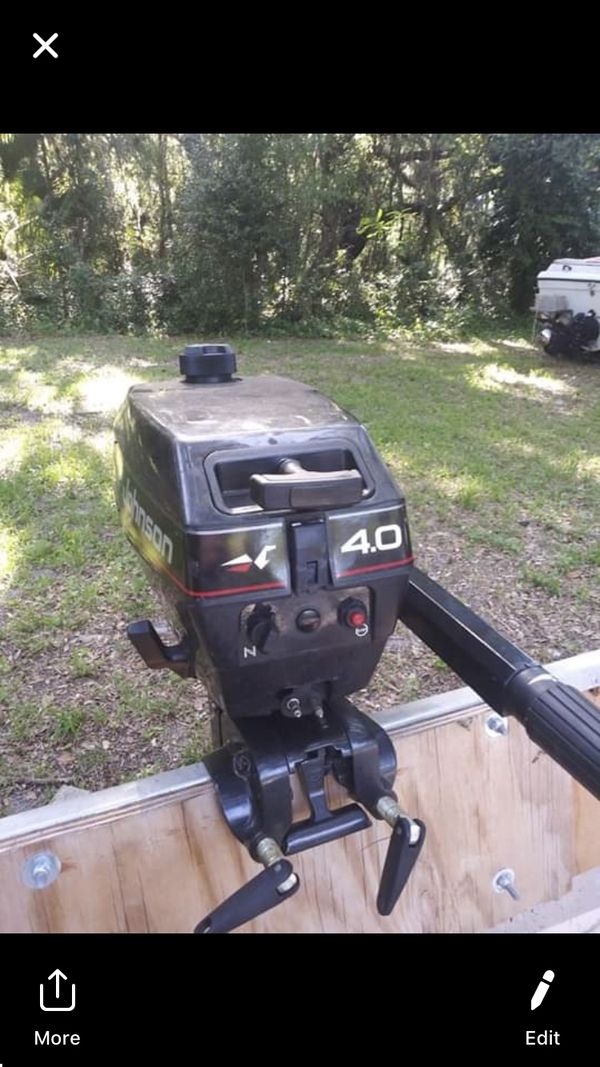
(297, 489)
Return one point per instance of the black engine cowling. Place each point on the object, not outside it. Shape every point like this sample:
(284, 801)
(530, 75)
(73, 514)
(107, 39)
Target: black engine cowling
(267, 517)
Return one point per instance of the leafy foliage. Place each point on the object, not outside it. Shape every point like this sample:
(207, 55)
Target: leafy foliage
(303, 232)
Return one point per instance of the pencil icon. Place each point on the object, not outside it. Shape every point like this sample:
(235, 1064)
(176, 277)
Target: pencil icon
(541, 990)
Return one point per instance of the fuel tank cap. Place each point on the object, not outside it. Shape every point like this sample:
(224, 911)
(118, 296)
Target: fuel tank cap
(206, 364)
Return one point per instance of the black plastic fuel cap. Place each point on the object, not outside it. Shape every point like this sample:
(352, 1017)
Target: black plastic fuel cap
(206, 364)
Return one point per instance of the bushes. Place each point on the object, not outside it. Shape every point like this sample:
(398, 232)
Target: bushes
(85, 300)
(214, 233)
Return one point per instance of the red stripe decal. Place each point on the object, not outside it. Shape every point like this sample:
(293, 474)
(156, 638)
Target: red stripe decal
(212, 592)
(215, 592)
(240, 589)
(225, 592)
(377, 567)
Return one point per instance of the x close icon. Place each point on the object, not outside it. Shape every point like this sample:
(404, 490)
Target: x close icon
(45, 46)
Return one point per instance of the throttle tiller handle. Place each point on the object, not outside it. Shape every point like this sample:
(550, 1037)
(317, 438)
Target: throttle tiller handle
(561, 721)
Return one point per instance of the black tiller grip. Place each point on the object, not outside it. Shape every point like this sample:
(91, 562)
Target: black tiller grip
(561, 721)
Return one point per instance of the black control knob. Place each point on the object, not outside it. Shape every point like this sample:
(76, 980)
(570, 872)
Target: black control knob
(308, 620)
(260, 624)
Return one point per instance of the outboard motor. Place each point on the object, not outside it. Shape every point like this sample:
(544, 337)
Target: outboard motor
(572, 335)
(280, 539)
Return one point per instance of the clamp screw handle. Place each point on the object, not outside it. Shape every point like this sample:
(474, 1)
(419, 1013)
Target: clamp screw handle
(406, 842)
(271, 887)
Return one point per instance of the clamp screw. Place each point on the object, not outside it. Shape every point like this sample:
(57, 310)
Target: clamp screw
(391, 811)
(269, 854)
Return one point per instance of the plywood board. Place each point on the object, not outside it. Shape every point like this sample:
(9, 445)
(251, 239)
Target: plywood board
(586, 817)
(160, 863)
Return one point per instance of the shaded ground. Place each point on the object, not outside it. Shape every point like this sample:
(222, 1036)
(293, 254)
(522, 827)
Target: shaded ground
(497, 448)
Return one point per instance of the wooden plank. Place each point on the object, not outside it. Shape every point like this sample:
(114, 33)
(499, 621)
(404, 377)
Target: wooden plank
(160, 864)
(586, 820)
(576, 913)
(155, 854)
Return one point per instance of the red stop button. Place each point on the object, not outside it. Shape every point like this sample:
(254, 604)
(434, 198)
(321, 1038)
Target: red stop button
(353, 613)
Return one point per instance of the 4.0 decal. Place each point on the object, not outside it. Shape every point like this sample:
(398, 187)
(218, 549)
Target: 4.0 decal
(384, 538)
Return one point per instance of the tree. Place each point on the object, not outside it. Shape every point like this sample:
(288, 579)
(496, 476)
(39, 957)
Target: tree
(215, 232)
(545, 205)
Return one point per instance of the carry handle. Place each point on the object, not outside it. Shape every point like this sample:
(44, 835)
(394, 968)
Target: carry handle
(295, 489)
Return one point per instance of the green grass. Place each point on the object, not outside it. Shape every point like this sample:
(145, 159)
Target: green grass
(541, 579)
(81, 662)
(497, 448)
(68, 723)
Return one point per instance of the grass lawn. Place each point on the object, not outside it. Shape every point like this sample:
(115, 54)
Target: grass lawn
(497, 448)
